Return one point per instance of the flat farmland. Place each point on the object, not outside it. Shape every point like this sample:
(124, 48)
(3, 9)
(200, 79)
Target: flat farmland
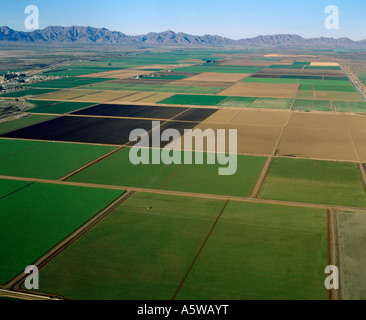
(237, 102)
(23, 122)
(274, 90)
(66, 95)
(60, 107)
(103, 96)
(214, 77)
(261, 118)
(131, 111)
(312, 105)
(317, 144)
(248, 255)
(270, 80)
(117, 170)
(8, 187)
(46, 160)
(25, 93)
(148, 252)
(199, 100)
(28, 231)
(312, 181)
(334, 95)
(351, 247)
(156, 97)
(253, 140)
(222, 116)
(350, 106)
(205, 179)
(269, 103)
(83, 130)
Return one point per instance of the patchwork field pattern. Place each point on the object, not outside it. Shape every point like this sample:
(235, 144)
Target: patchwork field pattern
(294, 204)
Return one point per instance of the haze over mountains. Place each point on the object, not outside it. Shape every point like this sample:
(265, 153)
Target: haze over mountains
(89, 35)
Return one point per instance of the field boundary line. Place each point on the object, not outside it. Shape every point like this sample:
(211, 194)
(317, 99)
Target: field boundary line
(333, 249)
(24, 296)
(189, 194)
(180, 168)
(200, 250)
(261, 178)
(15, 283)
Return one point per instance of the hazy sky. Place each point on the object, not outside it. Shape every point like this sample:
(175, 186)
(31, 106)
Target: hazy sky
(230, 18)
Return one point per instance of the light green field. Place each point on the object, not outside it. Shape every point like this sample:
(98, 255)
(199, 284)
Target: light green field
(312, 105)
(46, 160)
(206, 179)
(262, 252)
(312, 181)
(23, 122)
(237, 102)
(194, 100)
(219, 69)
(350, 106)
(36, 218)
(118, 170)
(135, 253)
(270, 80)
(269, 103)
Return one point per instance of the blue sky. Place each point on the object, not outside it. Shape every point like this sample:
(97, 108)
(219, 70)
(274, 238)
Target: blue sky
(230, 18)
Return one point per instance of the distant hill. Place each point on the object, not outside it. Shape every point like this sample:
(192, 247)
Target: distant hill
(89, 35)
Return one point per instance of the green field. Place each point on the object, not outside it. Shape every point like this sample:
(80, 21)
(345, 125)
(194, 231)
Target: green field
(237, 102)
(350, 106)
(270, 80)
(262, 252)
(312, 181)
(25, 93)
(280, 66)
(219, 69)
(206, 179)
(312, 105)
(61, 107)
(37, 217)
(272, 103)
(141, 251)
(23, 122)
(72, 82)
(8, 187)
(198, 100)
(118, 170)
(46, 160)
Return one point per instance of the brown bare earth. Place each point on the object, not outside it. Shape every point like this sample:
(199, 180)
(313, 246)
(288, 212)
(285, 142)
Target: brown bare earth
(66, 95)
(118, 74)
(156, 97)
(274, 90)
(324, 64)
(246, 62)
(261, 118)
(217, 77)
(103, 96)
(223, 116)
(359, 138)
(255, 140)
(317, 144)
(341, 96)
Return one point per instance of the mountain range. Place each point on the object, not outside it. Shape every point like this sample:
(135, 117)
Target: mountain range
(89, 35)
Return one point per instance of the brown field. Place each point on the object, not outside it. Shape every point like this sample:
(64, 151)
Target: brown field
(185, 83)
(359, 138)
(218, 77)
(255, 140)
(324, 64)
(261, 90)
(156, 97)
(261, 118)
(103, 96)
(66, 95)
(328, 121)
(155, 66)
(223, 116)
(135, 97)
(317, 144)
(118, 74)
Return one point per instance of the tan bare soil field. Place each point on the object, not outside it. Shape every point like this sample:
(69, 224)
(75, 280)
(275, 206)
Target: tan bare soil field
(261, 118)
(352, 254)
(255, 140)
(66, 95)
(324, 64)
(185, 83)
(317, 144)
(359, 138)
(103, 96)
(157, 97)
(328, 121)
(223, 116)
(275, 90)
(136, 97)
(217, 77)
(118, 74)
